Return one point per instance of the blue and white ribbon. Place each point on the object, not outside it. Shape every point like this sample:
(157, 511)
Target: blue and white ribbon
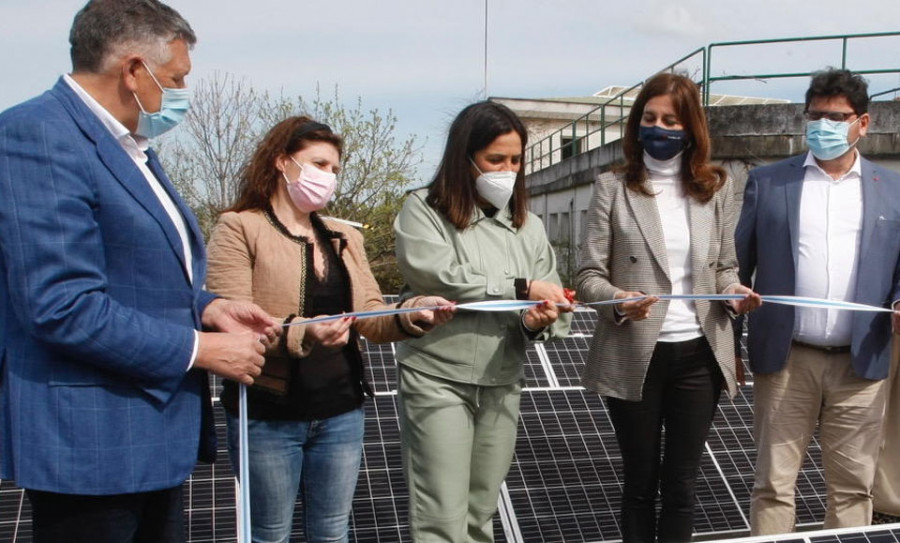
(508, 305)
(798, 301)
(519, 305)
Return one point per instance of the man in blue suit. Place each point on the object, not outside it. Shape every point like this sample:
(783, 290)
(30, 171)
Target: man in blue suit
(824, 224)
(105, 396)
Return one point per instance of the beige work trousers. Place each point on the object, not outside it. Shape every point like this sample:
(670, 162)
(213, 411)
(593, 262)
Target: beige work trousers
(887, 471)
(815, 386)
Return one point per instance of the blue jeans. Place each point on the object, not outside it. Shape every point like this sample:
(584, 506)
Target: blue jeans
(319, 458)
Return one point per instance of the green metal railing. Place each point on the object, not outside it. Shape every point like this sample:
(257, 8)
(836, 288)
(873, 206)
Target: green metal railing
(709, 79)
(598, 126)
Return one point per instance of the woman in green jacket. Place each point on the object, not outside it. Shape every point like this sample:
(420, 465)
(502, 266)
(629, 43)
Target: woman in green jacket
(470, 237)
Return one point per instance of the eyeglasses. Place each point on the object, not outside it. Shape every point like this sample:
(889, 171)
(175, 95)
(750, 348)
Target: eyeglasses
(834, 116)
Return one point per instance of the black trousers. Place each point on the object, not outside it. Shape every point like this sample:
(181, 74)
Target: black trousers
(146, 517)
(681, 391)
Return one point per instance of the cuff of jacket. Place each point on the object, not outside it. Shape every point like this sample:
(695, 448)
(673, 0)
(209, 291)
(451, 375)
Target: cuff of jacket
(294, 341)
(404, 320)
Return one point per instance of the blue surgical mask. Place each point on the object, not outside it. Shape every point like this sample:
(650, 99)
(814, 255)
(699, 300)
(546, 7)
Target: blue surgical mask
(662, 144)
(827, 140)
(173, 107)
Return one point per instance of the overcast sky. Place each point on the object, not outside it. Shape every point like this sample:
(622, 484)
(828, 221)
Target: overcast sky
(425, 59)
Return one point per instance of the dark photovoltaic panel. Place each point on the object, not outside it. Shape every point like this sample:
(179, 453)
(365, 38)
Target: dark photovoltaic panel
(584, 321)
(564, 480)
(209, 495)
(889, 535)
(381, 369)
(15, 514)
(568, 357)
(564, 483)
(535, 373)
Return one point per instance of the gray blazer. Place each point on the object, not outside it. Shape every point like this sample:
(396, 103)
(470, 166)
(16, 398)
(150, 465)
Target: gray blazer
(624, 250)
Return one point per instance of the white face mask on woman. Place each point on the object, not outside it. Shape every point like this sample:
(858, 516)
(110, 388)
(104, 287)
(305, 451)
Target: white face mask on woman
(495, 187)
(313, 188)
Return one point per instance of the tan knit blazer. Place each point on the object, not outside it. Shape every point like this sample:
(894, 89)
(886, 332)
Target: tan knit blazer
(623, 249)
(253, 260)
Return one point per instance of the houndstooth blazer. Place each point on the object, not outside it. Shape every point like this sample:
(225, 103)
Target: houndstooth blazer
(623, 249)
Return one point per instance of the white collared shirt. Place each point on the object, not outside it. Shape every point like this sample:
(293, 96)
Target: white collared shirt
(136, 148)
(828, 251)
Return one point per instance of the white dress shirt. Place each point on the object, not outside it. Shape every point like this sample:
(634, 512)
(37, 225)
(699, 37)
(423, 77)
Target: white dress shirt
(681, 323)
(136, 148)
(830, 227)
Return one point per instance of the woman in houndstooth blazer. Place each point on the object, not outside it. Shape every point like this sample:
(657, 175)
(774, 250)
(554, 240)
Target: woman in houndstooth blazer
(663, 224)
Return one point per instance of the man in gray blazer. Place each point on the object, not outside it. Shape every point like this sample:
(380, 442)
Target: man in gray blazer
(823, 224)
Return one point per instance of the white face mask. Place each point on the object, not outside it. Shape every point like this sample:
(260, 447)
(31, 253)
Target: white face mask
(495, 187)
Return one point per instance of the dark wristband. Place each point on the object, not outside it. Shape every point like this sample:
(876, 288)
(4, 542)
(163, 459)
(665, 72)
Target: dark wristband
(521, 285)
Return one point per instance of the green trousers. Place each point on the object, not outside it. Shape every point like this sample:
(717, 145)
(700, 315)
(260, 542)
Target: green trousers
(458, 441)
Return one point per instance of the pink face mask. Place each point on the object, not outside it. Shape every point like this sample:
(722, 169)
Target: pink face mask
(314, 188)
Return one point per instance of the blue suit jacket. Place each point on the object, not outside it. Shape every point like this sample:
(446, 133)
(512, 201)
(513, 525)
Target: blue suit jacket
(767, 244)
(98, 314)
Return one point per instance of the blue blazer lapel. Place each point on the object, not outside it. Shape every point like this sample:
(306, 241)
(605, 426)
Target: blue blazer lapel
(195, 234)
(793, 188)
(120, 165)
(874, 200)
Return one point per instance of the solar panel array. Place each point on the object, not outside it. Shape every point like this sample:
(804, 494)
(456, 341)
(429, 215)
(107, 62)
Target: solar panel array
(564, 483)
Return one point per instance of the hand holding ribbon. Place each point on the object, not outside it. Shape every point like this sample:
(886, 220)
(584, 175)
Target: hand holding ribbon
(747, 304)
(635, 306)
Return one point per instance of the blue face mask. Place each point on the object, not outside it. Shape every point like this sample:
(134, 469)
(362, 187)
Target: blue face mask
(662, 144)
(173, 107)
(827, 140)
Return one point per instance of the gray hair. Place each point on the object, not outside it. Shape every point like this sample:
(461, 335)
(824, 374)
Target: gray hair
(105, 30)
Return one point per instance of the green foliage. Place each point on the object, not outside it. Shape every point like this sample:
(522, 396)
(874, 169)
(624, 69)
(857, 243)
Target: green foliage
(566, 261)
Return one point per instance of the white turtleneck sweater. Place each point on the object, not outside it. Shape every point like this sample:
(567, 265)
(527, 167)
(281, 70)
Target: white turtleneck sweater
(681, 322)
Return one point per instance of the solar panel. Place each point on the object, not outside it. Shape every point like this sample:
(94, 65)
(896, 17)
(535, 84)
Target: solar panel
(564, 483)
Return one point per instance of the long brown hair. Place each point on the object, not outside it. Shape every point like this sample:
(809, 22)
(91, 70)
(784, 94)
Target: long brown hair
(452, 191)
(700, 179)
(259, 178)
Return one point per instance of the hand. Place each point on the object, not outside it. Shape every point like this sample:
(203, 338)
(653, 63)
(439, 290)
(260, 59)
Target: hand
(895, 321)
(427, 319)
(334, 333)
(636, 310)
(223, 315)
(541, 315)
(750, 302)
(235, 356)
(545, 290)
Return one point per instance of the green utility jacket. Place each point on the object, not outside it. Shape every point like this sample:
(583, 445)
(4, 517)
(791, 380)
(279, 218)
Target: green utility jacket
(475, 264)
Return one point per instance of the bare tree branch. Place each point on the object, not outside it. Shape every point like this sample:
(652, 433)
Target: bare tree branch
(228, 117)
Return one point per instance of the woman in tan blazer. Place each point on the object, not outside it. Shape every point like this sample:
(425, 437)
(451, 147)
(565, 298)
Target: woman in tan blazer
(305, 410)
(664, 224)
